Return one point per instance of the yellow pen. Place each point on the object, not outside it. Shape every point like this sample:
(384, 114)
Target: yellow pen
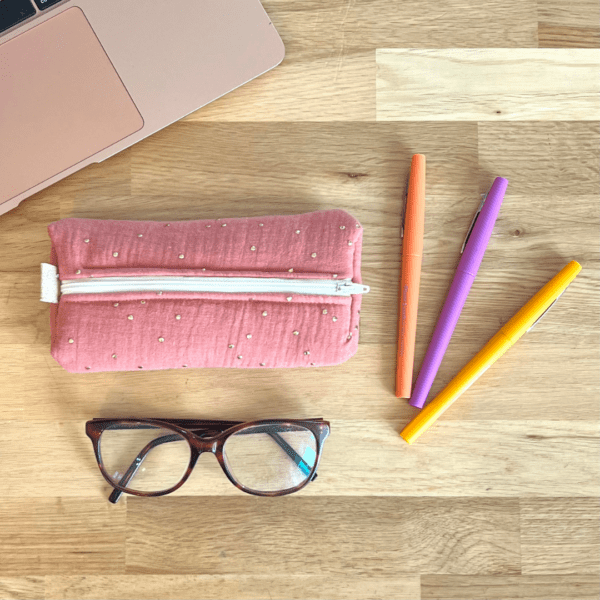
(518, 325)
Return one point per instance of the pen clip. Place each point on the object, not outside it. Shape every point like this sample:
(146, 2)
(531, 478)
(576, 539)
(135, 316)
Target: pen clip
(472, 225)
(544, 313)
(403, 216)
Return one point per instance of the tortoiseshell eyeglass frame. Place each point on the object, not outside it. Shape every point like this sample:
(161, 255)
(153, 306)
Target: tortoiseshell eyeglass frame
(203, 436)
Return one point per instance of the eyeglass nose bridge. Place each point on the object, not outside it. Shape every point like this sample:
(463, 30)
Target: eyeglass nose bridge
(206, 441)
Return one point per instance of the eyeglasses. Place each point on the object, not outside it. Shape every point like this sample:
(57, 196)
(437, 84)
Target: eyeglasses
(154, 457)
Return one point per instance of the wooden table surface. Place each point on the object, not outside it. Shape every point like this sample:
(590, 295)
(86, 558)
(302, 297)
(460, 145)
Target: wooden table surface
(500, 499)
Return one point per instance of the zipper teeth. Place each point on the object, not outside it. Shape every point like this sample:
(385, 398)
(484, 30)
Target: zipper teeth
(319, 287)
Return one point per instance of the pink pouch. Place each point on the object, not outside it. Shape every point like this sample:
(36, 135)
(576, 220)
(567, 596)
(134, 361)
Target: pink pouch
(281, 291)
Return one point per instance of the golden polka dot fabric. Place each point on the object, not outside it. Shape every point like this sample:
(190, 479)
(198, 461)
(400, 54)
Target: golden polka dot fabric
(167, 330)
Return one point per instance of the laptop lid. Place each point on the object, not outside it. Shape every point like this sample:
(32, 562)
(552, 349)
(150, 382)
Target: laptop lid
(82, 80)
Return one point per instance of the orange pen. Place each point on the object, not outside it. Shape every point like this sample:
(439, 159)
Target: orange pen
(413, 225)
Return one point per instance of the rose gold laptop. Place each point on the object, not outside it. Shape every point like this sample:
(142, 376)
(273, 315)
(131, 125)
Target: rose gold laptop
(81, 80)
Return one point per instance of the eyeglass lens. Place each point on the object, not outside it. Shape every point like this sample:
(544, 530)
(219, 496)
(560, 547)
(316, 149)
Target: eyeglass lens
(271, 457)
(143, 457)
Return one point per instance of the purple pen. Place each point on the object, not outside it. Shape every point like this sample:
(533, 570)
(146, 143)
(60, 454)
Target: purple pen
(473, 251)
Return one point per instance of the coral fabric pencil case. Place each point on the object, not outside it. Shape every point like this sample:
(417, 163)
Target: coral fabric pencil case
(279, 291)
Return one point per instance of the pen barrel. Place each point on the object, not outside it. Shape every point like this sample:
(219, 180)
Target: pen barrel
(407, 323)
(408, 293)
(459, 291)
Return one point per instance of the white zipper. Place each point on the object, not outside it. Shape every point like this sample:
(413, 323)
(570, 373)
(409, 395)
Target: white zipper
(233, 285)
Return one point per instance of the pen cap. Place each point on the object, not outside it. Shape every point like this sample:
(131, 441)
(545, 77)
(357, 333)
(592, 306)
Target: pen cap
(414, 220)
(526, 318)
(482, 230)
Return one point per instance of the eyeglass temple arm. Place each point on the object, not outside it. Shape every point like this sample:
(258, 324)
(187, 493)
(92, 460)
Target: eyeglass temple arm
(139, 459)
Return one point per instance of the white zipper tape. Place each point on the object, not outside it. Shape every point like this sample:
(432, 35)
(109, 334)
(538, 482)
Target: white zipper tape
(231, 285)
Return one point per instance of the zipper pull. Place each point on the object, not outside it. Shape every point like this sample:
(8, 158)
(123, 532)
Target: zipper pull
(349, 288)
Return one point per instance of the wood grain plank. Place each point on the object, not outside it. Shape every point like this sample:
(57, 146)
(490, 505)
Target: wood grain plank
(25, 319)
(511, 587)
(488, 85)
(562, 36)
(560, 535)
(578, 13)
(309, 26)
(361, 458)
(336, 85)
(25, 461)
(27, 380)
(539, 158)
(296, 165)
(572, 25)
(98, 183)
(22, 588)
(327, 535)
(288, 586)
(60, 536)
(328, 73)
(513, 459)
